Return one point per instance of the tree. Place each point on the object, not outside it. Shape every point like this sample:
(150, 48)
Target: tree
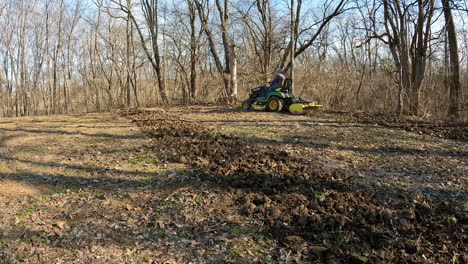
(262, 35)
(228, 45)
(408, 29)
(454, 83)
(194, 47)
(327, 17)
(149, 9)
(293, 39)
(185, 36)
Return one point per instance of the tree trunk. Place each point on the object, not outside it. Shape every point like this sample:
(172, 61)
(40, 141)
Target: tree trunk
(293, 45)
(212, 45)
(193, 52)
(454, 80)
(128, 57)
(233, 69)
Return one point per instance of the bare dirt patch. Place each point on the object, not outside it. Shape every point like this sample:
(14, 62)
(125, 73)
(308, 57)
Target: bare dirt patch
(10, 190)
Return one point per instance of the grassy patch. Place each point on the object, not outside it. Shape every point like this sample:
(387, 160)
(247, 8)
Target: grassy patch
(243, 248)
(146, 258)
(26, 212)
(321, 197)
(171, 206)
(255, 134)
(235, 231)
(398, 185)
(159, 232)
(144, 159)
(77, 190)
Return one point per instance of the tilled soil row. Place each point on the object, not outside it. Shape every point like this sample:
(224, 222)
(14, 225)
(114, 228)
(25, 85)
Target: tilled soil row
(317, 213)
(229, 160)
(455, 131)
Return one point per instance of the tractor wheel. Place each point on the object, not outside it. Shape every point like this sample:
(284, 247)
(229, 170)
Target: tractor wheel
(246, 104)
(274, 104)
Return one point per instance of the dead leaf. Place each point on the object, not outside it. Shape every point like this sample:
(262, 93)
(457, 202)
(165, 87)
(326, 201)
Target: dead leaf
(61, 224)
(194, 243)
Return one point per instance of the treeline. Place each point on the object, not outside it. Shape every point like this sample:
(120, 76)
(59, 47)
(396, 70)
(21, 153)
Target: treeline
(392, 56)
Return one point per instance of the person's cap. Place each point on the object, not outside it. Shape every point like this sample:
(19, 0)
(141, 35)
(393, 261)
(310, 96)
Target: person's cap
(279, 70)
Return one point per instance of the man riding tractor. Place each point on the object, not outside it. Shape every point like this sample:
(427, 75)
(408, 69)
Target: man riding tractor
(273, 98)
(277, 97)
(277, 82)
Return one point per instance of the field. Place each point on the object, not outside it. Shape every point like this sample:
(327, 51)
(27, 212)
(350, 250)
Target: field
(207, 184)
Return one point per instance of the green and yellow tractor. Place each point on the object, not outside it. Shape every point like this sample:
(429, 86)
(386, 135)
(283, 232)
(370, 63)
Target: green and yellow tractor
(278, 100)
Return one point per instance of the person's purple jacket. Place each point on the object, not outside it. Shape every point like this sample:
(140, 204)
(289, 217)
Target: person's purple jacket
(278, 80)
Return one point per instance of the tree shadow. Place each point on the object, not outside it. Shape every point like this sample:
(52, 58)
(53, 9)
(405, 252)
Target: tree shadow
(80, 168)
(4, 139)
(310, 141)
(7, 122)
(61, 132)
(225, 110)
(312, 123)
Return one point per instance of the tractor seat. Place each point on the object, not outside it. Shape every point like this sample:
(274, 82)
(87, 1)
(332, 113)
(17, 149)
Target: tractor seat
(285, 86)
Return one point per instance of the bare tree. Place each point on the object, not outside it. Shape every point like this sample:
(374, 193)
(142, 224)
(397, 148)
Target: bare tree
(149, 9)
(206, 27)
(408, 42)
(223, 11)
(194, 47)
(293, 38)
(185, 24)
(327, 17)
(454, 83)
(261, 33)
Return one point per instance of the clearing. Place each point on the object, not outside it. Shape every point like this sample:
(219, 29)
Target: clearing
(205, 184)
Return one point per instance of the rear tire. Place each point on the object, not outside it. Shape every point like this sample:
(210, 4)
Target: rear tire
(274, 104)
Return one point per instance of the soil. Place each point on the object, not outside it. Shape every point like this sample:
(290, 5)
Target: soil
(209, 184)
(453, 130)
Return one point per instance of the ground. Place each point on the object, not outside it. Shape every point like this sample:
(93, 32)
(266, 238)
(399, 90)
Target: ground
(209, 184)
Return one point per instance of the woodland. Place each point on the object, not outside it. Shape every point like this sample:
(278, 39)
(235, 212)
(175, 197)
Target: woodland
(376, 56)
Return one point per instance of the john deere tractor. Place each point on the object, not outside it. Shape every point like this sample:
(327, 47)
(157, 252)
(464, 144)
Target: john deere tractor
(279, 100)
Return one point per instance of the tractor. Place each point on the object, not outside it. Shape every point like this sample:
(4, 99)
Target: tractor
(279, 100)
